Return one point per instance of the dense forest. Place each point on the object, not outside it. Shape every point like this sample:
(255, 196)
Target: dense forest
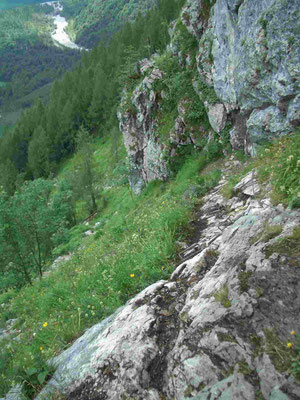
(95, 20)
(28, 58)
(86, 97)
(24, 73)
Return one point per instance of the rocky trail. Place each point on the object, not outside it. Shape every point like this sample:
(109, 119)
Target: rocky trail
(216, 330)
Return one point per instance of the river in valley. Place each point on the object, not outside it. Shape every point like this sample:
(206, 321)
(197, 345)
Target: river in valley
(59, 35)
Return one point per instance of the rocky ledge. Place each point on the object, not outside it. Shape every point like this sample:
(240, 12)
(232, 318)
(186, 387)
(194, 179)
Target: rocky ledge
(245, 71)
(217, 329)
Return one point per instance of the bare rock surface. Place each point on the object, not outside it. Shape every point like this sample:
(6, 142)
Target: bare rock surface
(246, 74)
(249, 53)
(137, 122)
(212, 330)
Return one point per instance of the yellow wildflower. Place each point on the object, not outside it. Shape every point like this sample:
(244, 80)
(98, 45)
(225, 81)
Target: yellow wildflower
(41, 348)
(293, 333)
(163, 202)
(289, 345)
(45, 324)
(131, 275)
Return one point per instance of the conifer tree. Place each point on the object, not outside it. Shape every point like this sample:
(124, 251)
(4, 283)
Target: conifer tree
(38, 153)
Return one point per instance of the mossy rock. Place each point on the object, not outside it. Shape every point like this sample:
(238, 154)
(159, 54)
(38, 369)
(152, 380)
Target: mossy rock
(243, 278)
(289, 245)
(221, 296)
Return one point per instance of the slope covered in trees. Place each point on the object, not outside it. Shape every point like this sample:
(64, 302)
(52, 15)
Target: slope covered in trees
(29, 60)
(95, 20)
(87, 97)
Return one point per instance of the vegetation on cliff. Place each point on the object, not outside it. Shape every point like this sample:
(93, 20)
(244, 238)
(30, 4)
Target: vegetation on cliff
(65, 191)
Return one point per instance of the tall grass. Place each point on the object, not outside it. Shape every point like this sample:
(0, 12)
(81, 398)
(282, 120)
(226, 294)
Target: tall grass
(134, 247)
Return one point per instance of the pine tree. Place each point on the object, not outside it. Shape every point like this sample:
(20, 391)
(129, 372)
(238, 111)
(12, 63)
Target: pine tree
(38, 153)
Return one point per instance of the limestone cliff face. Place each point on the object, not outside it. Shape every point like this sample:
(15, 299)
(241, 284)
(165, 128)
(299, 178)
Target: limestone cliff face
(248, 55)
(254, 64)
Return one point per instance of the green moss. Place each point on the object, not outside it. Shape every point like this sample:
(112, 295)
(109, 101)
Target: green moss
(227, 189)
(211, 253)
(221, 296)
(195, 294)
(56, 396)
(259, 291)
(188, 391)
(289, 245)
(243, 278)
(205, 11)
(269, 232)
(226, 337)
(227, 372)
(259, 395)
(264, 23)
(199, 266)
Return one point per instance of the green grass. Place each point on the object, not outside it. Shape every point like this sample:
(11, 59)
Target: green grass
(279, 163)
(289, 245)
(134, 248)
(221, 296)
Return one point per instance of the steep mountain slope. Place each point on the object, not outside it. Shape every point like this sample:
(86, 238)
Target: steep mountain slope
(220, 318)
(238, 76)
(96, 20)
(29, 60)
(217, 328)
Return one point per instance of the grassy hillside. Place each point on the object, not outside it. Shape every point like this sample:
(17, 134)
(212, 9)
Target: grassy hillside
(133, 246)
(134, 243)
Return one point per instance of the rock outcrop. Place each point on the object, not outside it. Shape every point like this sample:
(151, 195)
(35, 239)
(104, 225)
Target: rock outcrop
(254, 64)
(216, 330)
(248, 55)
(138, 123)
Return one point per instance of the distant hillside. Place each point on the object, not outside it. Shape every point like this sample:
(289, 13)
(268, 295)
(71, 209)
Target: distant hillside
(29, 60)
(6, 4)
(95, 20)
